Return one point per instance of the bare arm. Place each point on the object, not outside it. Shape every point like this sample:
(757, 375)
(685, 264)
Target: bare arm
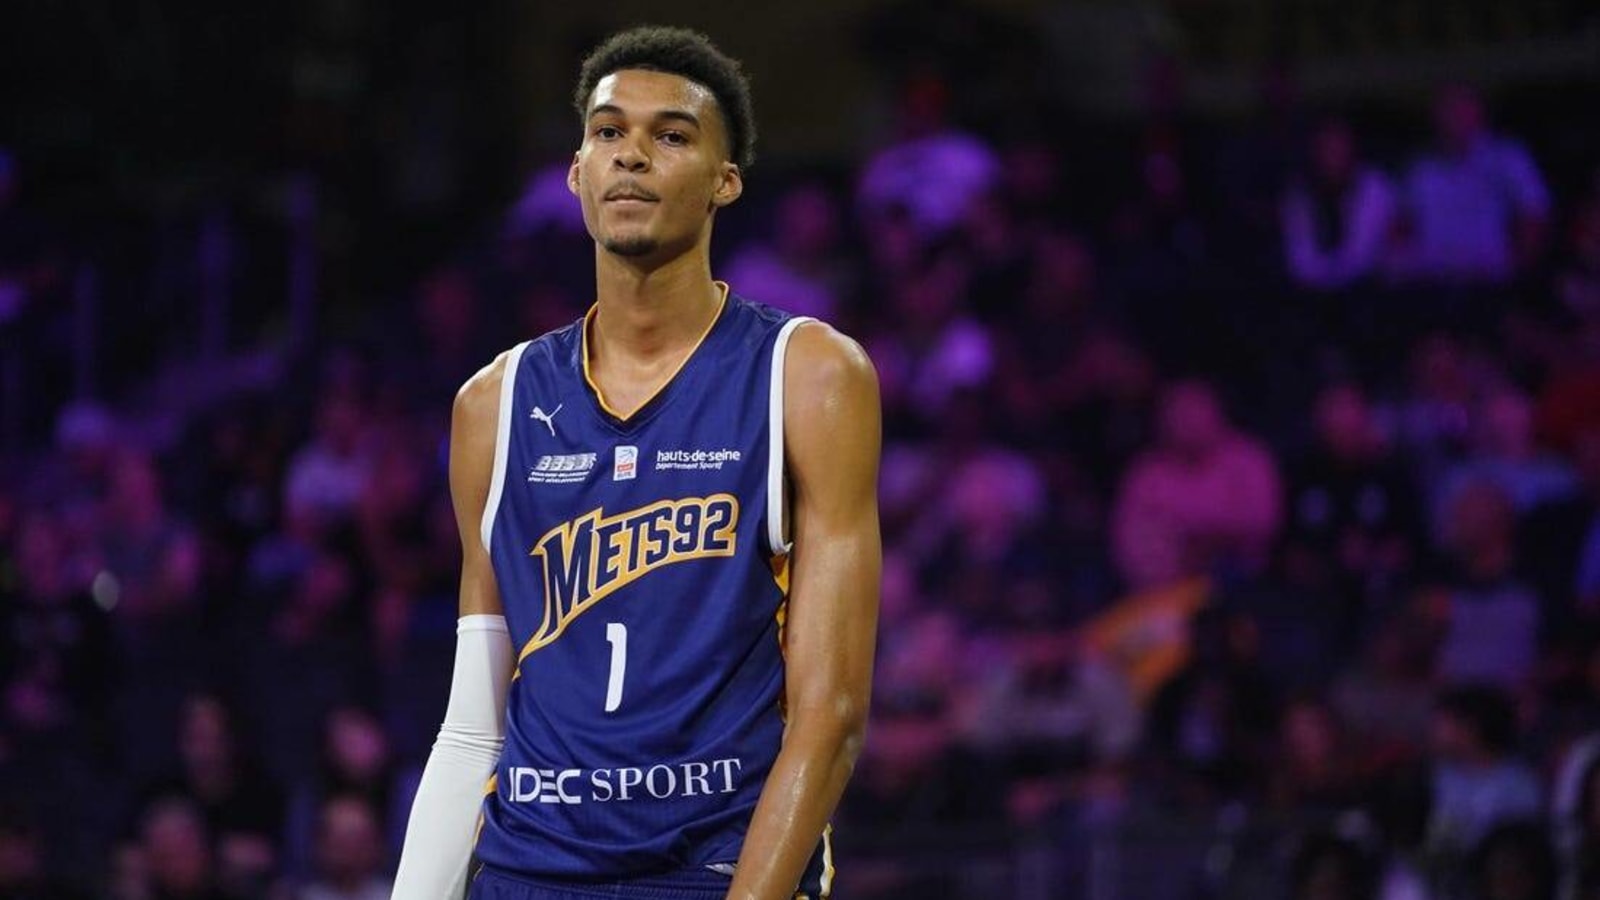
(473, 422)
(833, 436)
(441, 831)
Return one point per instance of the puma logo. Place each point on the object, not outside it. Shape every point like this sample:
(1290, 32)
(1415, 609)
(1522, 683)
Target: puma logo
(548, 418)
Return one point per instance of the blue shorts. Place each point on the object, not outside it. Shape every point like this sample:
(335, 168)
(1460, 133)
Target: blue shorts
(689, 884)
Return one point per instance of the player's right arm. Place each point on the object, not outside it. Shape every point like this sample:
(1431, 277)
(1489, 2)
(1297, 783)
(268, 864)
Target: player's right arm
(444, 817)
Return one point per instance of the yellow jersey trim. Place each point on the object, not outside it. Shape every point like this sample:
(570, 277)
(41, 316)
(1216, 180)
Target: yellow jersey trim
(588, 375)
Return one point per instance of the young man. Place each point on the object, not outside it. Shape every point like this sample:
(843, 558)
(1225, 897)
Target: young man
(669, 519)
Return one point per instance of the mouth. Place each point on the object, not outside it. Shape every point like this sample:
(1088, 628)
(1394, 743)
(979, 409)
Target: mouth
(630, 193)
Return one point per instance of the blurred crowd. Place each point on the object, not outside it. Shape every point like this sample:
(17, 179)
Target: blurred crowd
(1244, 471)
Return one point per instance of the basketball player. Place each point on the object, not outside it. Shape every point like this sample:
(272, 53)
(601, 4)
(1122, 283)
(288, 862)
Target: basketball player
(669, 518)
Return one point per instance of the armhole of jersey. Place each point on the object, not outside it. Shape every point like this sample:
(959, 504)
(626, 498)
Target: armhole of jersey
(776, 538)
(502, 441)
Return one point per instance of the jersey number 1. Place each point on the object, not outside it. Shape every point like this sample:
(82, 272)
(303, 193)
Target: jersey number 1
(617, 637)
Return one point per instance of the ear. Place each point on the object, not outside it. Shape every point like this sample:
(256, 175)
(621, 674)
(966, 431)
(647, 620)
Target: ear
(729, 187)
(572, 175)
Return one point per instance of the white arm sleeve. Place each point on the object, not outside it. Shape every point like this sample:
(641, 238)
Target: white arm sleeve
(444, 817)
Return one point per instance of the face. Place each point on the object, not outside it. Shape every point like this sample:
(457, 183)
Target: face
(1506, 422)
(1333, 151)
(653, 166)
(357, 744)
(205, 739)
(177, 846)
(351, 846)
(1309, 734)
(1452, 738)
(808, 221)
(1191, 421)
(1458, 114)
(1479, 517)
(1344, 421)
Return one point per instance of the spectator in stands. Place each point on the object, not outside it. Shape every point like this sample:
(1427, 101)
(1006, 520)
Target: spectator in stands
(242, 805)
(1206, 495)
(1386, 695)
(1505, 452)
(151, 553)
(1514, 862)
(907, 774)
(1002, 253)
(1478, 782)
(1329, 867)
(1429, 420)
(1210, 725)
(1578, 282)
(1562, 539)
(1575, 816)
(450, 336)
(1066, 374)
(1044, 710)
(172, 857)
(799, 269)
(1489, 618)
(1314, 768)
(152, 566)
(356, 762)
(1477, 205)
(933, 347)
(55, 637)
(1354, 519)
(23, 875)
(327, 475)
(351, 858)
(1398, 807)
(1337, 218)
(313, 654)
(932, 171)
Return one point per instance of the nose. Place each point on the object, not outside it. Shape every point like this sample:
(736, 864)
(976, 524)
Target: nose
(631, 157)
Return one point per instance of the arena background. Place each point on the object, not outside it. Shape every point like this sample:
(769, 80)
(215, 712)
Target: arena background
(1242, 398)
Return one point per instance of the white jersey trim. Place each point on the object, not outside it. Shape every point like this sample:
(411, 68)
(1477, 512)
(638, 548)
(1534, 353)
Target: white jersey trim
(776, 538)
(502, 441)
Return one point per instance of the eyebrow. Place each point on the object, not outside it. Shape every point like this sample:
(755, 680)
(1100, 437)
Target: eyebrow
(680, 115)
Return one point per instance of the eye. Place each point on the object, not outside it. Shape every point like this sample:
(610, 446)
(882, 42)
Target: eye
(607, 132)
(675, 138)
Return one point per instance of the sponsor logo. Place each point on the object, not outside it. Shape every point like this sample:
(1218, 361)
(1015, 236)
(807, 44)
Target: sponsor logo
(563, 468)
(625, 784)
(625, 467)
(548, 418)
(697, 460)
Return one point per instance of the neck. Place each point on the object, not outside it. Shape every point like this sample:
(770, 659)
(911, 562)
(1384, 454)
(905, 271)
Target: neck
(644, 311)
(1492, 561)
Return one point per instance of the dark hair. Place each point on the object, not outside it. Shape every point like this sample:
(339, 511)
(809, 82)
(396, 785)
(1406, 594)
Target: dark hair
(1523, 844)
(682, 52)
(1486, 711)
(1352, 867)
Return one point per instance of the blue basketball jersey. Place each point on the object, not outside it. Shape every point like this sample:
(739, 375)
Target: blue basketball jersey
(643, 569)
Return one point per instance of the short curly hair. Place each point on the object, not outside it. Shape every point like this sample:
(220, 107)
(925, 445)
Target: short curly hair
(682, 52)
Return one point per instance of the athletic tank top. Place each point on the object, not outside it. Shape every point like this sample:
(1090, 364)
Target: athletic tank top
(643, 569)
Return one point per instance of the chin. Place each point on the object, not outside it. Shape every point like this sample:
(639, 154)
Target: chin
(631, 245)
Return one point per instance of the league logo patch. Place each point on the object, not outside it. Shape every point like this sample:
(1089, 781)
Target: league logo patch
(625, 467)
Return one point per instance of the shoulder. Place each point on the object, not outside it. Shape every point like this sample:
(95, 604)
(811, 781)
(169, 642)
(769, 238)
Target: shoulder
(1149, 470)
(821, 359)
(1372, 181)
(1245, 451)
(1503, 148)
(478, 399)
